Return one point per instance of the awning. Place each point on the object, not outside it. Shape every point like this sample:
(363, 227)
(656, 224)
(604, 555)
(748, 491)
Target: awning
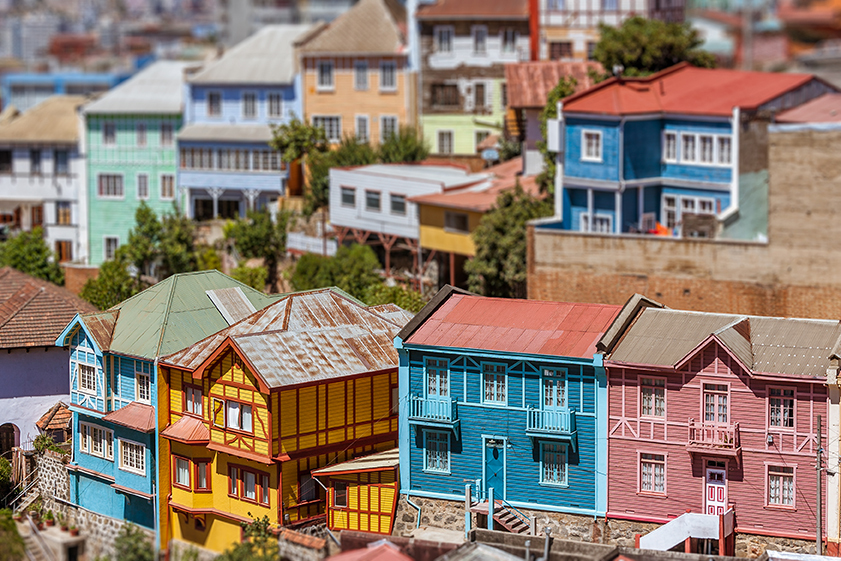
(137, 416)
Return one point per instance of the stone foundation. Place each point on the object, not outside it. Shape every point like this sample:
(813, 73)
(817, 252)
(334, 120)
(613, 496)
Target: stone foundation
(434, 512)
(750, 545)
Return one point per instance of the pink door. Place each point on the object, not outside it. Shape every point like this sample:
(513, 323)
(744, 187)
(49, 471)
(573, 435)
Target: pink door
(716, 491)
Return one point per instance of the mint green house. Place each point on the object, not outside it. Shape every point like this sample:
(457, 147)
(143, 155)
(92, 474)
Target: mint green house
(130, 144)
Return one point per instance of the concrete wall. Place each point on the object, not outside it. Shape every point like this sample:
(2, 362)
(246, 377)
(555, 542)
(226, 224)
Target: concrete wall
(790, 275)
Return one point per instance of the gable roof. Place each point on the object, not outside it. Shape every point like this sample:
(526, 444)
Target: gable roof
(32, 311)
(157, 89)
(474, 9)
(53, 121)
(59, 417)
(304, 337)
(790, 346)
(685, 89)
(369, 27)
(166, 317)
(468, 321)
(529, 83)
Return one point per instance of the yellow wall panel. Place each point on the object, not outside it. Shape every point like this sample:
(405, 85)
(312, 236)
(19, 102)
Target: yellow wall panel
(335, 405)
(335, 436)
(307, 399)
(231, 392)
(363, 497)
(382, 395)
(363, 400)
(382, 427)
(261, 447)
(308, 441)
(288, 413)
(353, 520)
(387, 496)
(322, 408)
(374, 499)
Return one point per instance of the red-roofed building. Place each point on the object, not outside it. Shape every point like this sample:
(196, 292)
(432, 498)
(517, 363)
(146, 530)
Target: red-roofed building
(502, 396)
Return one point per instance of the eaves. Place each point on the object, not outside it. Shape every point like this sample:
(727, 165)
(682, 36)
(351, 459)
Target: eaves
(486, 353)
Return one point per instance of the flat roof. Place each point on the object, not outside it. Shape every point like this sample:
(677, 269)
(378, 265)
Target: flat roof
(156, 89)
(222, 133)
(448, 176)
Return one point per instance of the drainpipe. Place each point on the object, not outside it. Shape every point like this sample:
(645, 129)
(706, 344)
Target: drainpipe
(155, 472)
(621, 191)
(548, 532)
(559, 165)
(736, 128)
(409, 500)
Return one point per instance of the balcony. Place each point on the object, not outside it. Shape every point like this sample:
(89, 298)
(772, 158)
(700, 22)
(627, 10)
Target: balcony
(441, 413)
(551, 423)
(714, 439)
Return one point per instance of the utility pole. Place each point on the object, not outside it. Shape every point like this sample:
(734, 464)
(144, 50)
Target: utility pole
(818, 468)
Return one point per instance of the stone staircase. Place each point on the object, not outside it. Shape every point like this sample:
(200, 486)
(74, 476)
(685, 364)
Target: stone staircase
(36, 550)
(506, 516)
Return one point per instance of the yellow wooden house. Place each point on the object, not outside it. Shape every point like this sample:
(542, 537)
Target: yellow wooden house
(251, 411)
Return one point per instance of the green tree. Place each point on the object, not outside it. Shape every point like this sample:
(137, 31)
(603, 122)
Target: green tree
(29, 253)
(259, 236)
(255, 277)
(176, 245)
(259, 544)
(349, 152)
(298, 139)
(499, 266)
(13, 547)
(509, 148)
(643, 46)
(564, 88)
(407, 145)
(143, 239)
(132, 544)
(113, 284)
(207, 259)
(353, 269)
(406, 298)
(6, 484)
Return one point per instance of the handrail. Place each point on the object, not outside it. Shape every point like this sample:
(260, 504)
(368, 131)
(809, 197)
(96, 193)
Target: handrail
(444, 410)
(48, 553)
(26, 488)
(711, 434)
(550, 420)
(519, 515)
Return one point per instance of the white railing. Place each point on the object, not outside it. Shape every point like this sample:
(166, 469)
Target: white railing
(438, 410)
(300, 242)
(551, 420)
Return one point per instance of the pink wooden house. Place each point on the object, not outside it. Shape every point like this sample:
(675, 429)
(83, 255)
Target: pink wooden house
(708, 412)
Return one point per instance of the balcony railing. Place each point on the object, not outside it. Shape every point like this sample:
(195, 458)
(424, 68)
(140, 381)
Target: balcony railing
(550, 421)
(711, 437)
(442, 412)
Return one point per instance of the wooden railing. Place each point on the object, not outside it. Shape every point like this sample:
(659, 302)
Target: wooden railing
(435, 410)
(551, 420)
(708, 435)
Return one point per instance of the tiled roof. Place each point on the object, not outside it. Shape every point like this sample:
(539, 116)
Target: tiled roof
(369, 27)
(685, 89)
(474, 9)
(529, 83)
(53, 121)
(824, 109)
(135, 415)
(33, 312)
(58, 417)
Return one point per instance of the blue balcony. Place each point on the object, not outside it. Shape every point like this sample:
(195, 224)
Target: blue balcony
(553, 423)
(442, 413)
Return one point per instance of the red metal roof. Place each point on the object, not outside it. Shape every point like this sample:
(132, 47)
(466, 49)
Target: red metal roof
(137, 416)
(382, 551)
(684, 89)
(474, 9)
(824, 109)
(187, 429)
(529, 83)
(516, 326)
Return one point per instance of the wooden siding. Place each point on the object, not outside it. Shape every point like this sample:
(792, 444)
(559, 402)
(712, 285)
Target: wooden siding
(371, 503)
(630, 435)
(434, 234)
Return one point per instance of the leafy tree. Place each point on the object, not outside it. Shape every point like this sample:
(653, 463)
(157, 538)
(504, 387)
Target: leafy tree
(207, 259)
(499, 266)
(259, 544)
(132, 544)
(6, 484)
(259, 236)
(13, 547)
(297, 139)
(644, 46)
(29, 253)
(142, 247)
(407, 145)
(113, 284)
(350, 152)
(176, 245)
(255, 277)
(353, 269)
(406, 298)
(564, 88)
(509, 149)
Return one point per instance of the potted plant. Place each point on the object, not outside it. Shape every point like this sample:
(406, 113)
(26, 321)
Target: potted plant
(74, 531)
(49, 518)
(62, 521)
(17, 517)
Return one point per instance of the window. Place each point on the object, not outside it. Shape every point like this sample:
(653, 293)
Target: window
(35, 162)
(167, 187)
(781, 408)
(110, 186)
(687, 148)
(724, 150)
(238, 416)
(609, 5)
(509, 41)
(109, 133)
(555, 4)
(182, 472)
(553, 460)
(62, 165)
(388, 128)
(706, 144)
(653, 397)
(372, 201)
(87, 378)
(670, 211)
(96, 441)
(332, 127)
(264, 489)
(445, 142)
(591, 50)
(444, 39)
(560, 50)
(249, 485)
(503, 96)
(456, 222)
(143, 390)
(652, 473)
(360, 74)
(362, 133)
(445, 95)
(348, 196)
(192, 400)
(398, 204)
(325, 74)
(275, 101)
(340, 494)
(140, 131)
(5, 161)
(166, 134)
(493, 378)
(481, 136)
(591, 142)
(202, 475)
(388, 76)
(214, 104)
(479, 99)
(780, 486)
(436, 451)
(64, 250)
(437, 378)
(63, 214)
(670, 147)
(133, 457)
(602, 223)
(554, 389)
(218, 413)
(143, 186)
(249, 105)
(307, 490)
(715, 404)
(111, 245)
(480, 40)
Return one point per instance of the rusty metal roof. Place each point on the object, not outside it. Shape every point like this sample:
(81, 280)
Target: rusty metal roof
(794, 347)
(823, 109)
(231, 303)
(187, 429)
(135, 415)
(517, 326)
(381, 461)
(529, 83)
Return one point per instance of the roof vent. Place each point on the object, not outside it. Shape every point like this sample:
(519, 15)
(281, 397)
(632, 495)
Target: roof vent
(231, 303)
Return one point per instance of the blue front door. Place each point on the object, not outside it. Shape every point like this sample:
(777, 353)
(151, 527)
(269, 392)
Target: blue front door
(495, 466)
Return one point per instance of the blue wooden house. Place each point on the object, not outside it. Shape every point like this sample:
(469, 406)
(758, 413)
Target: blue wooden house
(113, 386)
(508, 397)
(635, 153)
(226, 164)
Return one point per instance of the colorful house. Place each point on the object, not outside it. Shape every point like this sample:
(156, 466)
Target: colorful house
(226, 165)
(114, 385)
(717, 413)
(249, 412)
(131, 157)
(508, 397)
(355, 73)
(685, 148)
(464, 47)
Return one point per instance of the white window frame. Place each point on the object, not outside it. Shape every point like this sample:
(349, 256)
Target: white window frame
(81, 388)
(383, 137)
(452, 134)
(383, 65)
(379, 207)
(99, 177)
(190, 400)
(565, 452)
(361, 81)
(174, 188)
(125, 445)
(716, 154)
(437, 31)
(324, 87)
(557, 373)
(496, 375)
(363, 119)
(105, 247)
(240, 422)
(338, 118)
(676, 157)
(474, 37)
(270, 98)
(342, 190)
(137, 186)
(652, 388)
(584, 222)
(391, 197)
(221, 104)
(86, 431)
(138, 378)
(245, 115)
(683, 153)
(600, 145)
(439, 434)
(175, 480)
(441, 367)
(793, 397)
(654, 462)
(678, 208)
(515, 37)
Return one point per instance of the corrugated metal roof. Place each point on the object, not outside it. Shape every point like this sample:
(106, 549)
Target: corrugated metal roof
(376, 551)
(267, 57)
(448, 176)
(474, 9)
(53, 121)
(529, 83)
(231, 303)
(795, 347)
(135, 415)
(187, 429)
(369, 27)
(200, 132)
(393, 313)
(517, 326)
(374, 462)
(824, 109)
(157, 89)
(482, 552)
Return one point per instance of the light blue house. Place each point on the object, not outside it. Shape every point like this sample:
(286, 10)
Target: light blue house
(27, 89)
(226, 165)
(508, 397)
(669, 148)
(113, 386)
